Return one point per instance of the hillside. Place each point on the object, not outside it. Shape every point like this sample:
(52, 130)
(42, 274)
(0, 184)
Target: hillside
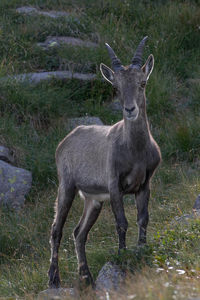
(33, 119)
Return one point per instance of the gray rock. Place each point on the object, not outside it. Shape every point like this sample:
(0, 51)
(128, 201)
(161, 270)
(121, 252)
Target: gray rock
(56, 41)
(197, 203)
(6, 155)
(15, 183)
(28, 10)
(74, 122)
(184, 219)
(56, 294)
(110, 278)
(34, 78)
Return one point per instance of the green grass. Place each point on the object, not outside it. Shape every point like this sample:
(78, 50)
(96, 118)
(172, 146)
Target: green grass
(34, 119)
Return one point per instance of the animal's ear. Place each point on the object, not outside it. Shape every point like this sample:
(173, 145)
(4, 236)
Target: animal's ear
(107, 73)
(148, 66)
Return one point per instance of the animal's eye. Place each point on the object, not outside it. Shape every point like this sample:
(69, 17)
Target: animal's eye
(142, 84)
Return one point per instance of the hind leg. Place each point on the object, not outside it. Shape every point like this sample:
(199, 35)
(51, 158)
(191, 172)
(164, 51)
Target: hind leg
(90, 214)
(142, 200)
(64, 201)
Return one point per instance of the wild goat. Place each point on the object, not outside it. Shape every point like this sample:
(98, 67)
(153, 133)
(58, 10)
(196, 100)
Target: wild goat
(107, 162)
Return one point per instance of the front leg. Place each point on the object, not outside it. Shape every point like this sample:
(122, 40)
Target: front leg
(142, 200)
(116, 200)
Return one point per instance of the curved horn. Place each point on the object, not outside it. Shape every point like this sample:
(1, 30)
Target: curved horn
(137, 58)
(116, 63)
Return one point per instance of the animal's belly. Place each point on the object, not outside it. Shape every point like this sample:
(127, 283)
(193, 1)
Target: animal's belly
(96, 197)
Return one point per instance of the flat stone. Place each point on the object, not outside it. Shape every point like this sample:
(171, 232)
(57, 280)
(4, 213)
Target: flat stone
(6, 155)
(110, 278)
(15, 183)
(56, 41)
(56, 294)
(35, 78)
(29, 10)
(74, 122)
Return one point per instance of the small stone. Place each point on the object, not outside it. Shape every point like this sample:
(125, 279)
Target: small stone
(57, 294)
(28, 10)
(110, 278)
(184, 218)
(74, 122)
(6, 155)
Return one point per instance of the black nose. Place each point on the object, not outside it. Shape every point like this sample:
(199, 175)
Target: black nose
(129, 110)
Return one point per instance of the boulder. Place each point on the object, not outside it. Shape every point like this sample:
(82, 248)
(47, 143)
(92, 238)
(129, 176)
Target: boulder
(6, 155)
(74, 122)
(15, 183)
(110, 278)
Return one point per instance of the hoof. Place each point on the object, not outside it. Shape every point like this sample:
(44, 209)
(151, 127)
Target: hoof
(85, 281)
(121, 251)
(54, 285)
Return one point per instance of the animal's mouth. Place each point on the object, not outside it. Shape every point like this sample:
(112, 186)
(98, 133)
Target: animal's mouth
(131, 117)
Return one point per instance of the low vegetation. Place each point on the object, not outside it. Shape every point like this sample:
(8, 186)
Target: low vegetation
(33, 119)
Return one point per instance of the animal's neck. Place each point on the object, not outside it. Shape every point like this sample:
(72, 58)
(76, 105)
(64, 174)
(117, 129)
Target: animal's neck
(136, 133)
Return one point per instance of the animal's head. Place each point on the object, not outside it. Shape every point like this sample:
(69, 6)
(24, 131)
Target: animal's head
(130, 81)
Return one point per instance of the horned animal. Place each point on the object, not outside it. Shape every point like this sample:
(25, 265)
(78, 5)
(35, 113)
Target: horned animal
(107, 162)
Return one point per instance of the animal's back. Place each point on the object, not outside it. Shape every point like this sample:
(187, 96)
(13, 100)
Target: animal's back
(83, 153)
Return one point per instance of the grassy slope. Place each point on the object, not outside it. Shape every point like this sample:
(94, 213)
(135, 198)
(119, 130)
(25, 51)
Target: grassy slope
(33, 121)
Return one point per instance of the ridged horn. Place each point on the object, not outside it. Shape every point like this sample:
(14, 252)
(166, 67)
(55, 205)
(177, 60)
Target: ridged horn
(137, 58)
(116, 63)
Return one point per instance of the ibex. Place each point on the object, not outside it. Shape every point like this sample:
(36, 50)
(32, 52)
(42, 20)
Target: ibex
(107, 162)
